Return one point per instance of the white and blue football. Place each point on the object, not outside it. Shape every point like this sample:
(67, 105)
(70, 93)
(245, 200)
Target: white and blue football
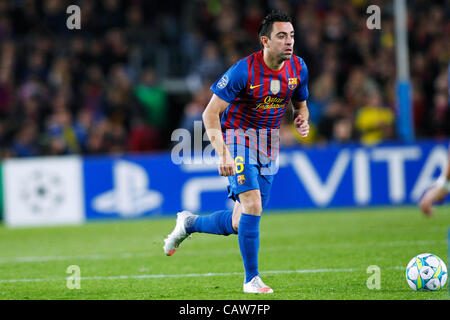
(426, 272)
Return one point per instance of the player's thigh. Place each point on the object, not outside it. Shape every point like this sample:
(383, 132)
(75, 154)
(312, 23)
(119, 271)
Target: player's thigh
(244, 186)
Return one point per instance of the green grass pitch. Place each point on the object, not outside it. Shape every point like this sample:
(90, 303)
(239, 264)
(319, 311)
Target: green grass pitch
(310, 255)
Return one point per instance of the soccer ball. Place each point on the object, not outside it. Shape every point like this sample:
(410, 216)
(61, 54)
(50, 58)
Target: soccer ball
(426, 271)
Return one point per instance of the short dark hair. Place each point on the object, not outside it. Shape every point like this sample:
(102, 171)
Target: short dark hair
(265, 29)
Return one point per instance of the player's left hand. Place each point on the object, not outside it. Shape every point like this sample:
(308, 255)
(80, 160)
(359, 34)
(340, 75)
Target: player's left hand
(433, 195)
(301, 125)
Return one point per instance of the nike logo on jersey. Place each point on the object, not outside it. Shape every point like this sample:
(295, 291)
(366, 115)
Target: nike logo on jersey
(253, 87)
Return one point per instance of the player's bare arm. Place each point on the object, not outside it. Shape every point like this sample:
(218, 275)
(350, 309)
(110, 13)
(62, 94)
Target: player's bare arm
(437, 192)
(301, 117)
(211, 120)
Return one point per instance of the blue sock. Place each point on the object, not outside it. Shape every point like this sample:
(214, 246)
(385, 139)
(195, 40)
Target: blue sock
(249, 244)
(219, 222)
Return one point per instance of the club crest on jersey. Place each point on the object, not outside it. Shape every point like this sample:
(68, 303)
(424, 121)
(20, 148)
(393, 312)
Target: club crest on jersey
(241, 179)
(292, 83)
(275, 86)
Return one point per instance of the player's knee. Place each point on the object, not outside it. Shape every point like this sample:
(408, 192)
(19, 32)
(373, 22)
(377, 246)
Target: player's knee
(253, 206)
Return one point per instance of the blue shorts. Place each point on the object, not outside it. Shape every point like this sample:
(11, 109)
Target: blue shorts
(252, 171)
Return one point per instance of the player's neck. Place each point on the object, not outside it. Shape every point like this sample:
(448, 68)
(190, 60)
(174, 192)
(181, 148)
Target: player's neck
(272, 62)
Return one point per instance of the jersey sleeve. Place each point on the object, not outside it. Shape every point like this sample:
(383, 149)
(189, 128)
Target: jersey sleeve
(232, 82)
(302, 92)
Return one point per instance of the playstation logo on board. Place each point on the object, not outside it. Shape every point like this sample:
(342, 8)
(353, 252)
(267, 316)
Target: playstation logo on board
(130, 196)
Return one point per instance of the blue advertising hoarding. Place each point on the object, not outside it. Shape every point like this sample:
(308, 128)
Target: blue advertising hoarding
(315, 177)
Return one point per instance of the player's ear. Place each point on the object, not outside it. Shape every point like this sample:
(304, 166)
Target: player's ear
(264, 41)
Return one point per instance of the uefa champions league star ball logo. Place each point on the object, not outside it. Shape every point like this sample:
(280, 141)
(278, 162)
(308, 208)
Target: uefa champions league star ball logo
(42, 192)
(222, 82)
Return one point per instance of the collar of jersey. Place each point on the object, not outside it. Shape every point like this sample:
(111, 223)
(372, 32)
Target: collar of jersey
(265, 67)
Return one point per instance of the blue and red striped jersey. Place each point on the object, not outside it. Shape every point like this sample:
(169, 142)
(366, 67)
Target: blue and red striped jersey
(258, 97)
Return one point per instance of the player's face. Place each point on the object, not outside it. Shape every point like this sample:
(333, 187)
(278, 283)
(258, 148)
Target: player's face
(281, 41)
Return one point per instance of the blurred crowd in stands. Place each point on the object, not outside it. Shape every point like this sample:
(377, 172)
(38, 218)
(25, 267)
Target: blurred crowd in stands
(106, 88)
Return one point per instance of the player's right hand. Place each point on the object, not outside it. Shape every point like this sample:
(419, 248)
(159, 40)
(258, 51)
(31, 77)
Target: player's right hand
(301, 125)
(226, 166)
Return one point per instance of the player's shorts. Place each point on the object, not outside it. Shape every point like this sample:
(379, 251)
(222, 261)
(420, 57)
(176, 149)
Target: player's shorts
(252, 171)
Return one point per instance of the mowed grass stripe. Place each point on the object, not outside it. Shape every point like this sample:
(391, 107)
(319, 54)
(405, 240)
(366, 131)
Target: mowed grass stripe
(31, 259)
(187, 275)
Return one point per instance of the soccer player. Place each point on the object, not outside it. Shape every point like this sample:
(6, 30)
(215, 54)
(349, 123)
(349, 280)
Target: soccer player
(251, 98)
(441, 187)
(437, 192)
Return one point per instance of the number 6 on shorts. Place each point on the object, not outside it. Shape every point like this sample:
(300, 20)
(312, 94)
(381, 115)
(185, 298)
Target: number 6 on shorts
(239, 164)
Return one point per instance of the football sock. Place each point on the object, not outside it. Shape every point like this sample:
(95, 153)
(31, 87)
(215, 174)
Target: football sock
(219, 222)
(248, 238)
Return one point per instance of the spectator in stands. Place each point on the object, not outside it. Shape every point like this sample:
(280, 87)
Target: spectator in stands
(25, 142)
(343, 131)
(143, 137)
(210, 63)
(152, 98)
(358, 86)
(374, 121)
(193, 110)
